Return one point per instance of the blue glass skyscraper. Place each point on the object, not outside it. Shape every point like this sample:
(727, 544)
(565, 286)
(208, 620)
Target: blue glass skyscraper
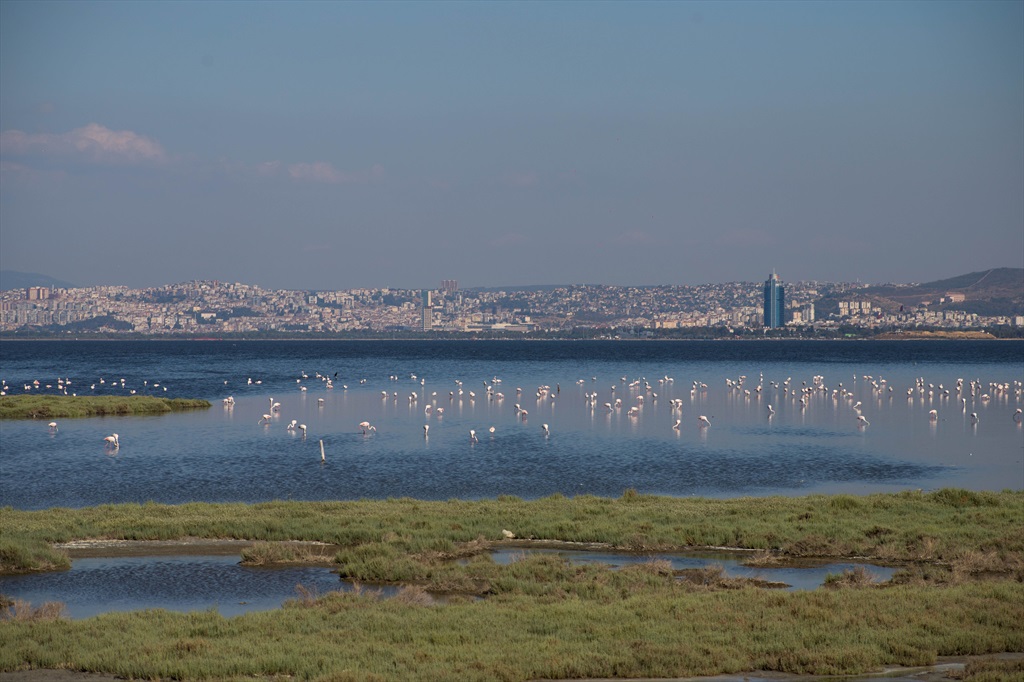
(774, 301)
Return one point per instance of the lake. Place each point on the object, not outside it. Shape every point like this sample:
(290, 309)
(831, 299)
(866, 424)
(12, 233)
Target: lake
(811, 440)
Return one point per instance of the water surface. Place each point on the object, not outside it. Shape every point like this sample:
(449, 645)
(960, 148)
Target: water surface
(807, 443)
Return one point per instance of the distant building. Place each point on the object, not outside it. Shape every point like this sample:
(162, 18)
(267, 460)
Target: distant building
(774, 302)
(449, 286)
(428, 312)
(37, 293)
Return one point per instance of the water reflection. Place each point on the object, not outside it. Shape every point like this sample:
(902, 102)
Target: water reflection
(805, 577)
(177, 583)
(197, 583)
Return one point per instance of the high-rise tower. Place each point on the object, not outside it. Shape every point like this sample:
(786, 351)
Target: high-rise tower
(774, 301)
(428, 312)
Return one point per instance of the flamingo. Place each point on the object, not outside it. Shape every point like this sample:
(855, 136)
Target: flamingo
(265, 418)
(472, 436)
(862, 420)
(545, 429)
(426, 428)
(1018, 415)
(676, 425)
(933, 415)
(974, 418)
(367, 427)
(703, 421)
(111, 440)
(53, 425)
(302, 427)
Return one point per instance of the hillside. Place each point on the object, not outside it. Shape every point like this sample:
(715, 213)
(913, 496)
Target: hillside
(12, 279)
(999, 291)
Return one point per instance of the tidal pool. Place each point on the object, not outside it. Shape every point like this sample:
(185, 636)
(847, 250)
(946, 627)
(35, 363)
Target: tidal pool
(196, 583)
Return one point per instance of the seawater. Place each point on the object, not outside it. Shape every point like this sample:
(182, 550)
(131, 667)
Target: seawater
(225, 454)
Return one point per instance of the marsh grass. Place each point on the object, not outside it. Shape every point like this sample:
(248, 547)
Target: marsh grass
(20, 611)
(992, 670)
(561, 621)
(270, 553)
(27, 555)
(65, 406)
(541, 616)
(858, 576)
(935, 527)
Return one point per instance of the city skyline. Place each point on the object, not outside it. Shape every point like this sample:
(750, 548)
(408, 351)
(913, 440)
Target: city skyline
(338, 145)
(983, 300)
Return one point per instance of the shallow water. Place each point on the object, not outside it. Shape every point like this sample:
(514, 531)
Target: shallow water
(177, 583)
(198, 583)
(225, 454)
(806, 577)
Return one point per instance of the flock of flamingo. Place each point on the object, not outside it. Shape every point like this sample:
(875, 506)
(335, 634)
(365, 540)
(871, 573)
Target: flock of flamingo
(641, 391)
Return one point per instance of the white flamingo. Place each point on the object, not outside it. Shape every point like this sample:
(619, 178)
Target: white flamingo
(112, 441)
(703, 421)
(366, 427)
(53, 425)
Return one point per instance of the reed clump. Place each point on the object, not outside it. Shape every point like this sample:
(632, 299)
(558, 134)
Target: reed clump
(66, 406)
(27, 555)
(992, 670)
(20, 611)
(858, 576)
(270, 553)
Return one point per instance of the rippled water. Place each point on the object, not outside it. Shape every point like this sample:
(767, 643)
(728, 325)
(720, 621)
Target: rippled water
(196, 583)
(225, 454)
(806, 577)
(177, 583)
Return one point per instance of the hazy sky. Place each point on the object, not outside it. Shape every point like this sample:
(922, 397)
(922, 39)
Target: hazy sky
(329, 145)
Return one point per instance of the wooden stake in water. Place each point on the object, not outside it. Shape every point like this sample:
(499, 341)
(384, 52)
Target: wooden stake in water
(322, 458)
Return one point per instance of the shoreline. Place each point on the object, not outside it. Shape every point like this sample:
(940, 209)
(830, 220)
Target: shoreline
(944, 669)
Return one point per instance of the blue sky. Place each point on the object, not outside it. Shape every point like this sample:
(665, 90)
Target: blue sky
(329, 145)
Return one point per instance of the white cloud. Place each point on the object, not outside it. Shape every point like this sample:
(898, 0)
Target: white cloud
(93, 142)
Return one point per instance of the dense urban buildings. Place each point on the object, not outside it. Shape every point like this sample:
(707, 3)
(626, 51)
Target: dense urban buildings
(213, 308)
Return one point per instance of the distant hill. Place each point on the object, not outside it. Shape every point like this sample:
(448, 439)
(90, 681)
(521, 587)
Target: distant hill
(999, 291)
(11, 279)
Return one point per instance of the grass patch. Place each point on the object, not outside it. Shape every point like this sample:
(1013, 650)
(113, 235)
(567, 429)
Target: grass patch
(573, 622)
(920, 527)
(26, 555)
(541, 616)
(20, 611)
(63, 406)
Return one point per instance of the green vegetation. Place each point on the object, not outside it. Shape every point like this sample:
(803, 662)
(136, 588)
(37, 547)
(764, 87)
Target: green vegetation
(64, 406)
(541, 616)
(943, 526)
